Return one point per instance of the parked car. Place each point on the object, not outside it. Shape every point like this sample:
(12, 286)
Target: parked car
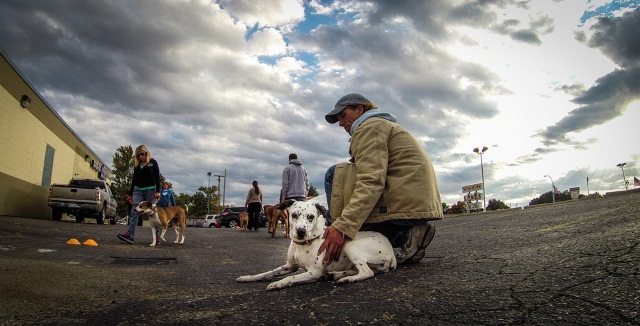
(230, 217)
(83, 198)
(209, 221)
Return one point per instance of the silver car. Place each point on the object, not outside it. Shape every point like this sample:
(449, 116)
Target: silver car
(209, 221)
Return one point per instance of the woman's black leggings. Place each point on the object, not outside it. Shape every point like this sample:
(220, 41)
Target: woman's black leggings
(253, 210)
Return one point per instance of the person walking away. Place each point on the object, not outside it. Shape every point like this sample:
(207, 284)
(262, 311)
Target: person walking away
(295, 182)
(389, 185)
(145, 185)
(253, 204)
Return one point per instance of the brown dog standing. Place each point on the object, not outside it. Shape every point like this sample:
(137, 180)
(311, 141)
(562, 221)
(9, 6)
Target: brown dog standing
(244, 221)
(273, 215)
(160, 217)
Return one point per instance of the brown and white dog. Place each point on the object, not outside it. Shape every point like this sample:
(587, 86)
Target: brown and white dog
(244, 221)
(159, 217)
(366, 254)
(273, 216)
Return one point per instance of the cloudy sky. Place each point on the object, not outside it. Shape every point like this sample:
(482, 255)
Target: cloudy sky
(550, 87)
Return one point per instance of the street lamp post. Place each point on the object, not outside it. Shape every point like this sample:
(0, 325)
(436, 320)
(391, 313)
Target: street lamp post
(484, 191)
(626, 184)
(553, 190)
(209, 195)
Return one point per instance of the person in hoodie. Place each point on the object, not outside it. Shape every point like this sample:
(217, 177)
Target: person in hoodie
(295, 183)
(389, 185)
(167, 198)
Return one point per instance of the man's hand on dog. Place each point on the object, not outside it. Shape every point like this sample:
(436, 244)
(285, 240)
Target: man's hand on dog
(333, 243)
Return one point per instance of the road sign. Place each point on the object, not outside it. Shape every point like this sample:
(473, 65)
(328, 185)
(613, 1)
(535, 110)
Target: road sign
(473, 196)
(575, 192)
(470, 188)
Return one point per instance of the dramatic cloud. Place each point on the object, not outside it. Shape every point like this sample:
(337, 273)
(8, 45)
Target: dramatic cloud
(609, 97)
(236, 85)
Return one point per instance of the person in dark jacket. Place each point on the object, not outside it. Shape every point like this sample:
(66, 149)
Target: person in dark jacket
(144, 186)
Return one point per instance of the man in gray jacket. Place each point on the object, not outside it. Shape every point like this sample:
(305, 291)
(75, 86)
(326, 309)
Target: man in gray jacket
(295, 183)
(389, 185)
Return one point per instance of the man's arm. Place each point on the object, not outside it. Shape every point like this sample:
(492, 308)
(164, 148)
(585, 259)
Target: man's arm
(285, 183)
(371, 157)
(306, 182)
(369, 149)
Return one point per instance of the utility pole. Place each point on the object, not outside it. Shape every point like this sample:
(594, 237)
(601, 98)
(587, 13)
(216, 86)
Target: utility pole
(209, 195)
(225, 186)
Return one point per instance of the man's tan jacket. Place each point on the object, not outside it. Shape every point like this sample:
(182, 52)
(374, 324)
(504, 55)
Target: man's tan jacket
(391, 177)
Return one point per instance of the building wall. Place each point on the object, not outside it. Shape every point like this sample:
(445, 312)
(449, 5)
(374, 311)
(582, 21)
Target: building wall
(25, 135)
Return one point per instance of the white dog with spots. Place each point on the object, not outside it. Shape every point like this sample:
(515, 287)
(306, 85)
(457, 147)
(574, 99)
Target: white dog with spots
(368, 253)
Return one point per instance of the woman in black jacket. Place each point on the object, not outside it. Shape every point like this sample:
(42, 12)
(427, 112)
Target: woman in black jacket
(144, 186)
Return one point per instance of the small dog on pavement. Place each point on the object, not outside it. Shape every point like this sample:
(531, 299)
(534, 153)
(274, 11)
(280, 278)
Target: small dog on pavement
(366, 254)
(244, 221)
(159, 217)
(273, 216)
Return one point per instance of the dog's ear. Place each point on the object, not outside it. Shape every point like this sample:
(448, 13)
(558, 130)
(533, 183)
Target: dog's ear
(323, 211)
(286, 204)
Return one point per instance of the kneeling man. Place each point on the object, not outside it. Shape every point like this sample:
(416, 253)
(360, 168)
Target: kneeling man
(389, 185)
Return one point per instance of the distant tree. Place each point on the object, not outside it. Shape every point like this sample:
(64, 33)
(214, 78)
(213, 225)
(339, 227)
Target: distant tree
(312, 191)
(496, 204)
(199, 201)
(198, 204)
(458, 208)
(123, 163)
(445, 208)
(184, 199)
(547, 198)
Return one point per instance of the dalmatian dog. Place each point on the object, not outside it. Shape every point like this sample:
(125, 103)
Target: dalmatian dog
(366, 254)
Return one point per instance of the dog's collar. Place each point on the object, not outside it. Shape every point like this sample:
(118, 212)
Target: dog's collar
(304, 243)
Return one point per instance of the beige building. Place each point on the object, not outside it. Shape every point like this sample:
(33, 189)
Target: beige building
(37, 148)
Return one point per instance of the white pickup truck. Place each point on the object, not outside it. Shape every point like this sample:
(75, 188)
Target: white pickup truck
(83, 198)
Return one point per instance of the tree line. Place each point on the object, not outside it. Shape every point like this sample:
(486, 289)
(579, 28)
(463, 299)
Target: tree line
(495, 204)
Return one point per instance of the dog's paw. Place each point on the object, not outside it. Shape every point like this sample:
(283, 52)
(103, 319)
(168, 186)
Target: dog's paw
(243, 279)
(274, 286)
(152, 245)
(345, 280)
(281, 284)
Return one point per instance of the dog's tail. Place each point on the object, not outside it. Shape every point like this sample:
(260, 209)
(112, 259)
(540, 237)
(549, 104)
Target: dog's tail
(186, 208)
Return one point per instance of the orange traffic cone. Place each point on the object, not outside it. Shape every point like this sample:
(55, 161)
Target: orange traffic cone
(73, 241)
(90, 242)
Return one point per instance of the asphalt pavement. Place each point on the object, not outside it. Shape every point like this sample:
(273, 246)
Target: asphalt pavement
(564, 264)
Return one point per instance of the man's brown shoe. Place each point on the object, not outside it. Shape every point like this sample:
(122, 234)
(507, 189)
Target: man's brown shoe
(413, 250)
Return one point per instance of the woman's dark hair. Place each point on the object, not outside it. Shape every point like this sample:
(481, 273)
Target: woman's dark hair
(255, 186)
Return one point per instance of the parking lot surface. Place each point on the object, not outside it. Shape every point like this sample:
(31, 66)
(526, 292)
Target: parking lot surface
(563, 264)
